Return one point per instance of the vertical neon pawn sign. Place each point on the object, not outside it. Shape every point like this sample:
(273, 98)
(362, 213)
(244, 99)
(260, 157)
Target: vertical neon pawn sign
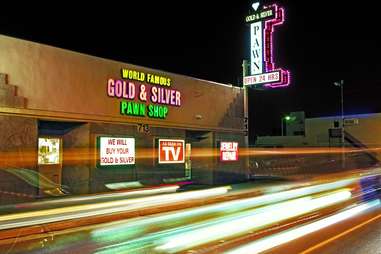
(263, 72)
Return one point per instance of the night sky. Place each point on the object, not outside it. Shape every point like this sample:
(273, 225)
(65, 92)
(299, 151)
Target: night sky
(320, 42)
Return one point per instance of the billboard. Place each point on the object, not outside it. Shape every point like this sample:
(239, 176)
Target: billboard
(116, 151)
(229, 151)
(171, 151)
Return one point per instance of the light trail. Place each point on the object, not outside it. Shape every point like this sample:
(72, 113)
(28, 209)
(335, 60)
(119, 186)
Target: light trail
(235, 227)
(124, 185)
(82, 156)
(126, 241)
(120, 228)
(292, 234)
(146, 234)
(132, 193)
(81, 211)
(321, 244)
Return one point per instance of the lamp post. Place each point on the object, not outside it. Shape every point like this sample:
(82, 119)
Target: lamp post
(341, 85)
(287, 118)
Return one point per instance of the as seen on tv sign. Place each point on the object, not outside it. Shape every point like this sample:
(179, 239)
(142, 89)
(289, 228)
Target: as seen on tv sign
(171, 151)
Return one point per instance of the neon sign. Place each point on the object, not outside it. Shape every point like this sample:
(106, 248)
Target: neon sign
(151, 90)
(262, 67)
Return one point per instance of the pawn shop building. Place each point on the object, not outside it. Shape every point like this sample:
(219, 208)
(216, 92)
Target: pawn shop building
(88, 124)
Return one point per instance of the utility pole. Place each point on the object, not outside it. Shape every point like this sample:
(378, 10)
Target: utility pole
(245, 67)
(341, 85)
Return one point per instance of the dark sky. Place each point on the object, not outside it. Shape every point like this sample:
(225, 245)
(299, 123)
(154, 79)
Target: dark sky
(320, 42)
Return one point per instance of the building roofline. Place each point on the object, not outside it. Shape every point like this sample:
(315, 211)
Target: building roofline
(122, 63)
(365, 115)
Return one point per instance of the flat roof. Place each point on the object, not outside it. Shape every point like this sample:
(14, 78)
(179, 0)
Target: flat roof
(119, 62)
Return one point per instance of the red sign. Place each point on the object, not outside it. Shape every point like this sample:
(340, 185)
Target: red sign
(171, 151)
(229, 151)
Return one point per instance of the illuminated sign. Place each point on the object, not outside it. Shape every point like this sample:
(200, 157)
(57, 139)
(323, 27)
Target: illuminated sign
(143, 94)
(263, 78)
(229, 151)
(262, 67)
(266, 13)
(116, 151)
(171, 151)
(146, 77)
(48, 151)
(256, 48)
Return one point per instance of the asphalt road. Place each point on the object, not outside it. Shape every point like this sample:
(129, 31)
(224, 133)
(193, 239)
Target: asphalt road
(227, 225)
(359, 238)
(358, 235)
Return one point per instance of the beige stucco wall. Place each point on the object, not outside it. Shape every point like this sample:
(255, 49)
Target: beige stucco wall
(61, 83)
(367, 131)
(18, 159)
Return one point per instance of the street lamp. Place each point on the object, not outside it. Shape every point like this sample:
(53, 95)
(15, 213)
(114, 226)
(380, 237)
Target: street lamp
(341, 85)
(288, 119)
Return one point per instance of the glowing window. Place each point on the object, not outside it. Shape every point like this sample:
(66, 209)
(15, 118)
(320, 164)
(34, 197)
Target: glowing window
(48, 151)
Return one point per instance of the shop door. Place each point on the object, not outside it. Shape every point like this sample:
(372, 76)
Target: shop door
(49, 163)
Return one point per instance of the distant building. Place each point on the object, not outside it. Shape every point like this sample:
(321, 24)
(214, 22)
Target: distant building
(362, 131)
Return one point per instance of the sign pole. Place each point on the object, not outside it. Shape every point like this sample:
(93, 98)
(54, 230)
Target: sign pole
(245, 67)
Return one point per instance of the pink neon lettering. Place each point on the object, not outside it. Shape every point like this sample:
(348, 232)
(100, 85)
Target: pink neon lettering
(110, 88)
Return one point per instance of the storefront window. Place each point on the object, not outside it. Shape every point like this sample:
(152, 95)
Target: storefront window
(48, 151)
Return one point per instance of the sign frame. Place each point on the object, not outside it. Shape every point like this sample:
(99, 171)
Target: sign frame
(237, 152)
(262, 24)
(159, 162)
(98, 146)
